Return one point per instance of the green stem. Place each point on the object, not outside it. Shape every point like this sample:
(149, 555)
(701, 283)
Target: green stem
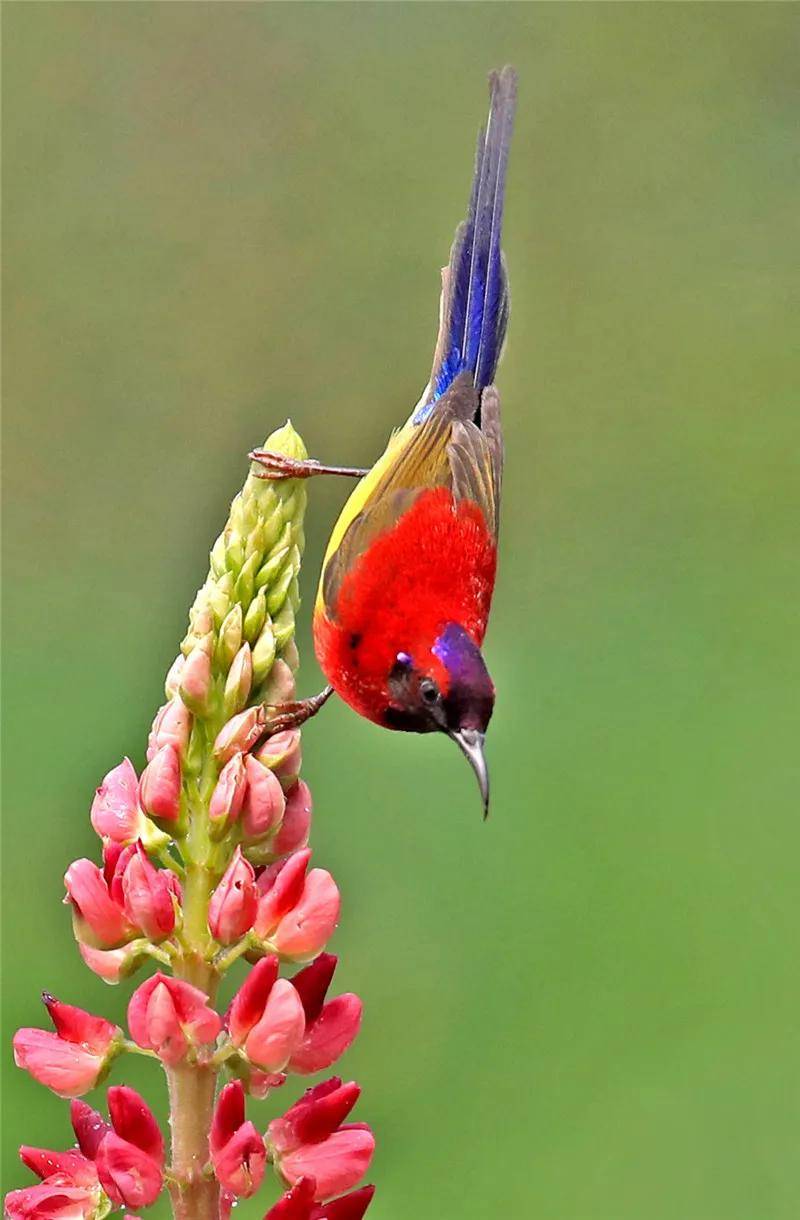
(225, 959)
(192, 1086)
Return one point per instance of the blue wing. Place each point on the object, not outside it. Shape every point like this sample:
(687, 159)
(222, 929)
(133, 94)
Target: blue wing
(474, 310)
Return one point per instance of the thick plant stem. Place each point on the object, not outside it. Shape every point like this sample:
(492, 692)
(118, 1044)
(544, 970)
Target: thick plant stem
(192, 1086)
(191, 1102)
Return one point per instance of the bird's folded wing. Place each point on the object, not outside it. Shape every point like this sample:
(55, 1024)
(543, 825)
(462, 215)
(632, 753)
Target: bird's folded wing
(447, 450)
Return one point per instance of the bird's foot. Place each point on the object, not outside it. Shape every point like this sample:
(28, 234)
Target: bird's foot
(279, 466)
(282, 716)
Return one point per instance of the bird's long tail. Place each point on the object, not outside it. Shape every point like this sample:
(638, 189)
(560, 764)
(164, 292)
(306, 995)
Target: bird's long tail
(475, 287)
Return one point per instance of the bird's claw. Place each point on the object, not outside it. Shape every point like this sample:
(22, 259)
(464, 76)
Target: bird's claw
(283, 716)
(278, 466)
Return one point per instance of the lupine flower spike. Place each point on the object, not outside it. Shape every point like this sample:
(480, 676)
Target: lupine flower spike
(203, 864)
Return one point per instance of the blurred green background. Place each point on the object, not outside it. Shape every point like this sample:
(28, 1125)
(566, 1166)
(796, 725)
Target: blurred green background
(219, 215)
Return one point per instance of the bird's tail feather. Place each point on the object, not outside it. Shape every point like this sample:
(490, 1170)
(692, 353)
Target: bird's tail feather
(475, 288)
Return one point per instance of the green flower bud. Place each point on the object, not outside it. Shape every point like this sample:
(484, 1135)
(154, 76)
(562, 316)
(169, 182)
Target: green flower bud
(263, 654)
(234, 552)
(230, 636)
(220, 596)
(291, 656)
(273, 528)
(217, 557)
(245, 585)
(240, 680)
(283, 625)
(255, 617)
(278, 556)
(255, 544)
(280, 588)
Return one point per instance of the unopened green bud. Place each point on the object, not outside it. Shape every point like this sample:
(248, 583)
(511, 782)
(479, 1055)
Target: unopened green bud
(220, 596)
(279, 588)
(268, 573)
(283, 626)
(245, 585)
(254, 544)
(255, 616)
(294, 503)
(217, 557)
(234, 552)
(273, 527)
(240, 680)
(263, 654)
(230, 636)
(291, 656)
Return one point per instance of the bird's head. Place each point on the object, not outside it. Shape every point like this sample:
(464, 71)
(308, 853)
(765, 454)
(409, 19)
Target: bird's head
(447, 689)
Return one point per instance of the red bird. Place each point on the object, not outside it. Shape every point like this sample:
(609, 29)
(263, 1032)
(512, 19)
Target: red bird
(408, 576)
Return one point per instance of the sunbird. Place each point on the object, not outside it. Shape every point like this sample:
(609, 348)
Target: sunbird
(409, 571)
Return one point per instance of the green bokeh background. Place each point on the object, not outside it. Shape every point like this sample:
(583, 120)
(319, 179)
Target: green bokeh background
(220, 214)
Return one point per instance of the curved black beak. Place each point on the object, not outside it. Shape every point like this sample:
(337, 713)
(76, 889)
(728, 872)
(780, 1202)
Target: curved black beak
(470, 742)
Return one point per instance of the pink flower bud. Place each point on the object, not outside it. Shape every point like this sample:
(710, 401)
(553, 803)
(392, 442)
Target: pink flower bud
(171, 727)
(306, 929)
(75, 1025)
(296, 824)
(148, 896)
(99, 920)
(133, 1120)
(173, 678)
(115, 809)
(331, 1027)
(70, 1188)
(310, 1142)
(280, 687)
(247, 1005)
(89, 1127)
(195, 684)
(130, 1157)
(314, 1116)
(240, 733)
(128, 1176)
(264, 802)
(283, 754)
(227, 798)
(72, 1167)
(266, 1018)
(53, 1201)
(73, 1059)
(336, 1164)
(160, 785)
(168, 1016)
(280, 887)
(113, 965)
(233, 904)
(237, 1150)
(271, 1042)
(298, 1204)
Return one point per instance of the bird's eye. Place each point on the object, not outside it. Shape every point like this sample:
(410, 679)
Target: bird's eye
(428, 690)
